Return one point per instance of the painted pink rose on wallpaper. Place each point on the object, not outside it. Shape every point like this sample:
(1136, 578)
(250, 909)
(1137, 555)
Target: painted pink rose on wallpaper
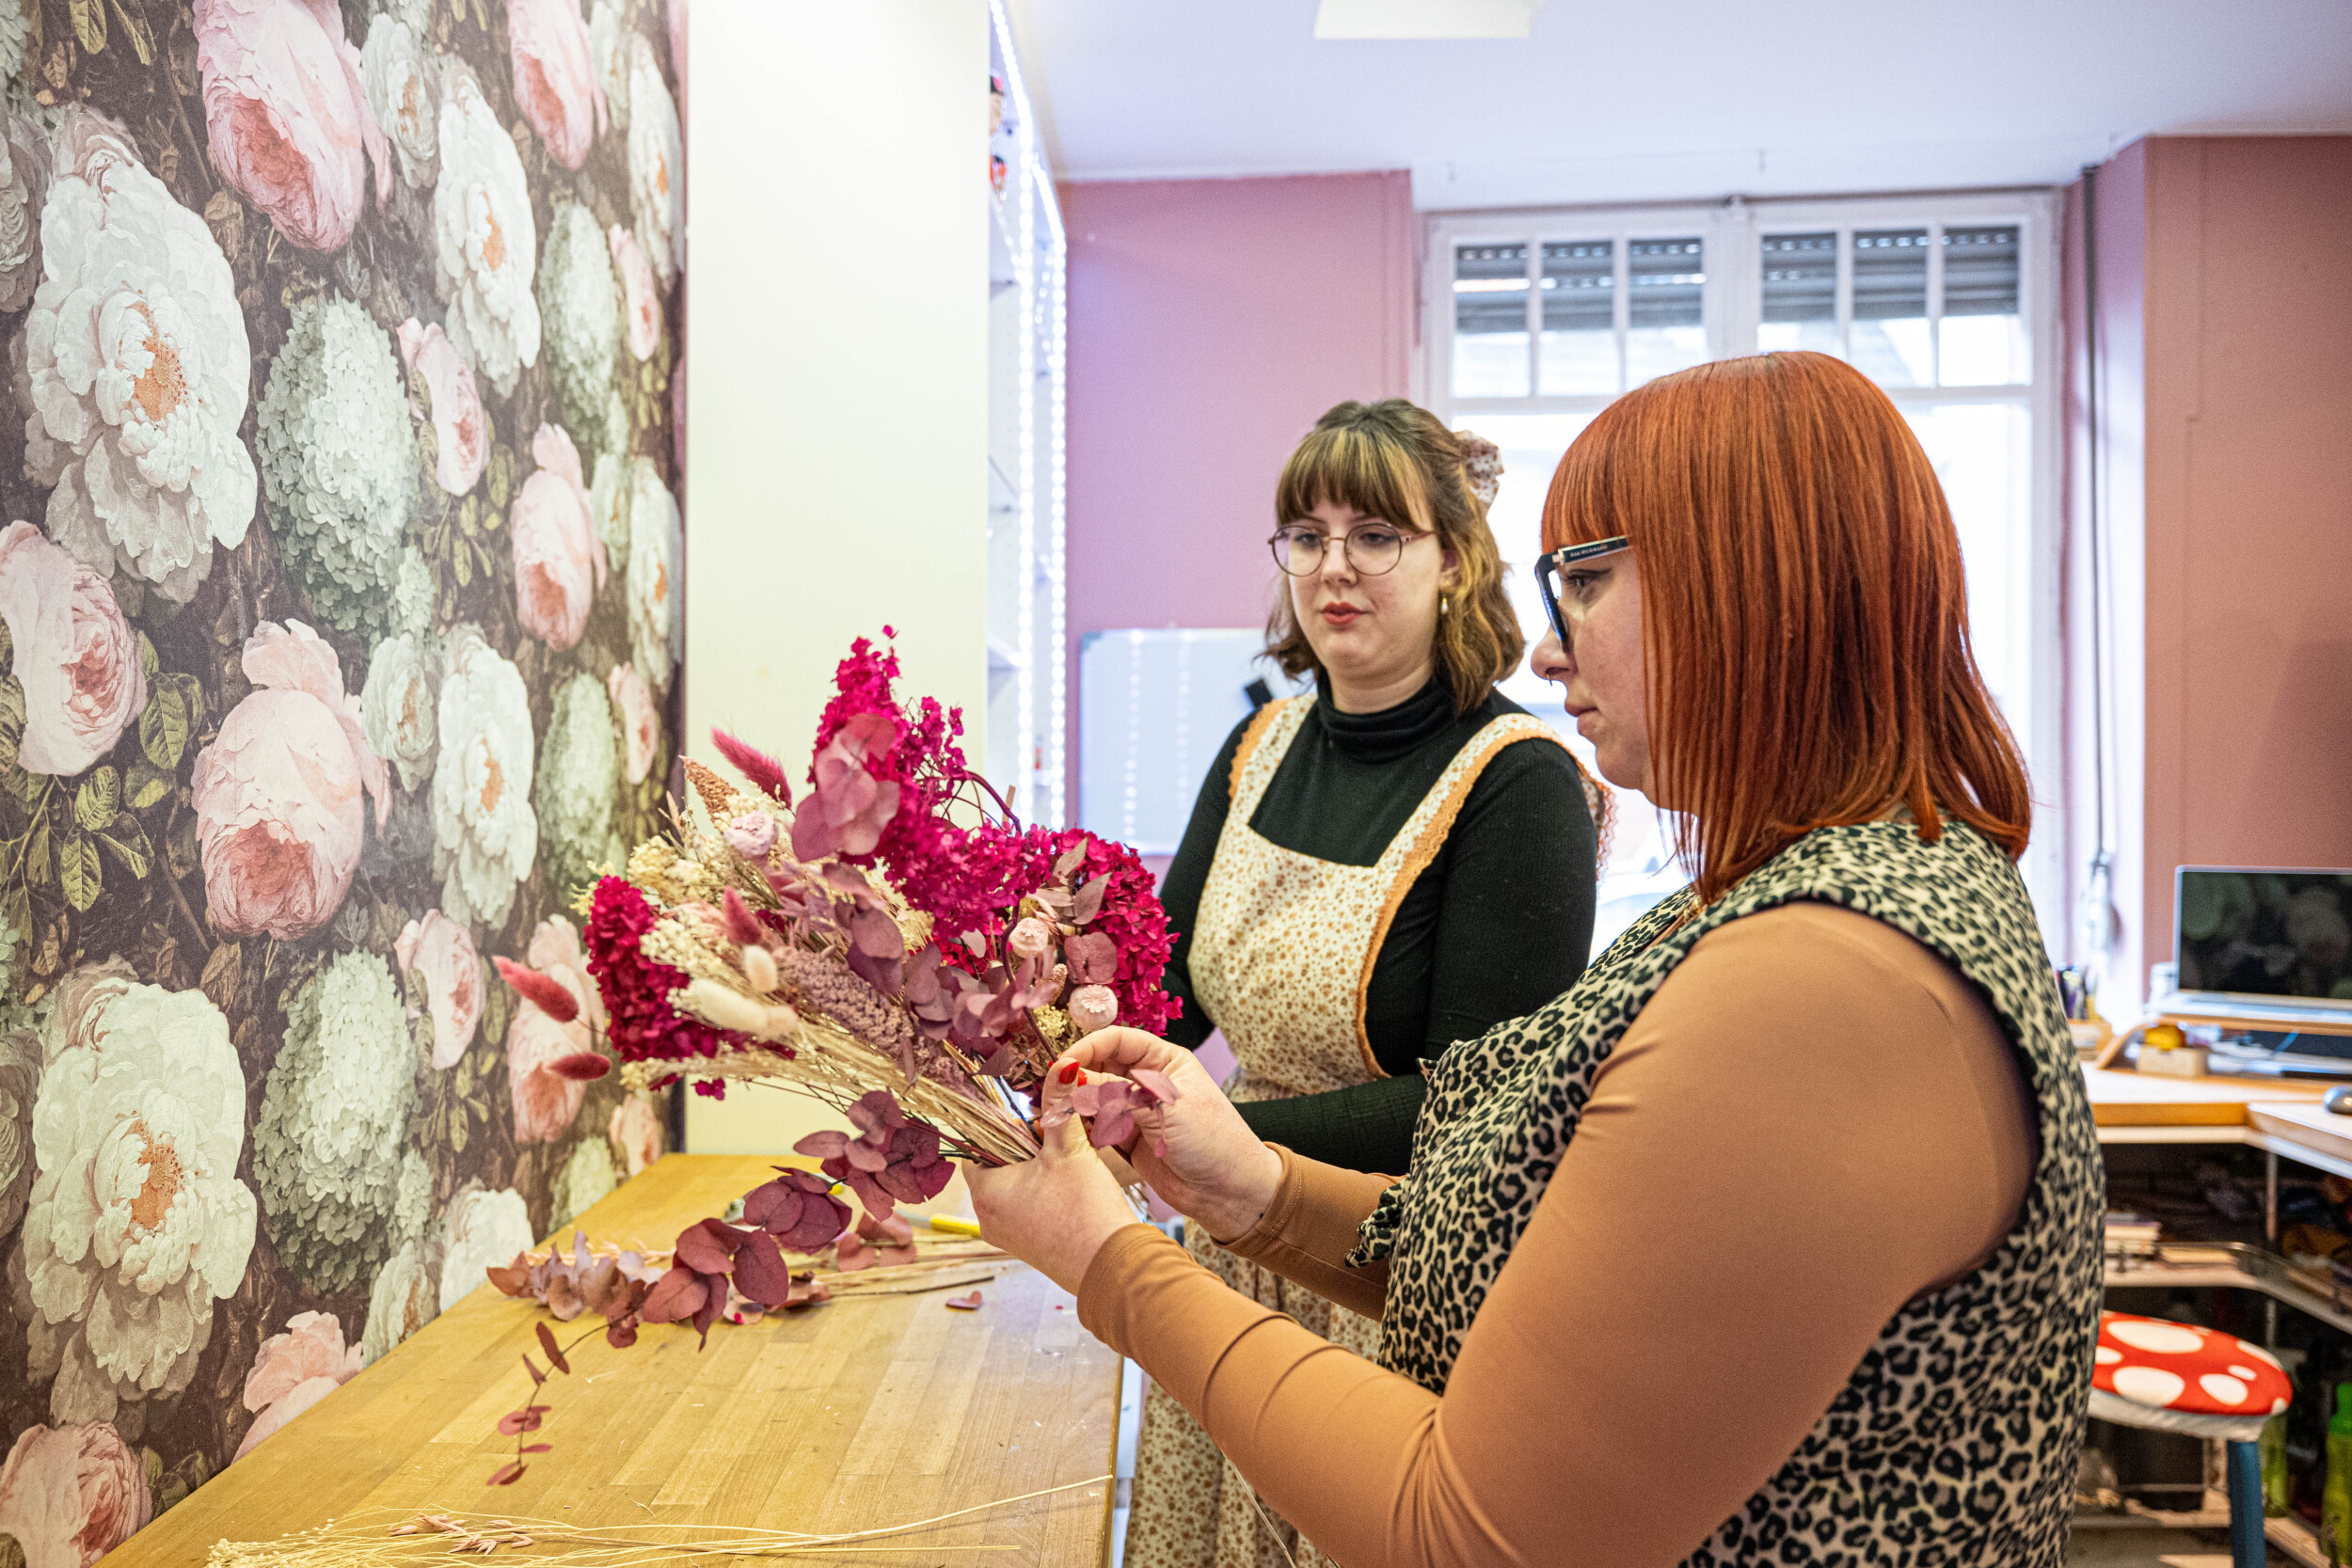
(444, 953)
(75, 655)
(641, 299)
(294, 1371)
(546, 1103)
(287, 115)
(559, 561)
(72, 1494)
(461, 435)
(641, 725)
(278, 792)
(636, 1130)
(560, 91)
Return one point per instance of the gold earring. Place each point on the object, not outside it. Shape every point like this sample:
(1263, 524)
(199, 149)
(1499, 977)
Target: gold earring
(1443, 604)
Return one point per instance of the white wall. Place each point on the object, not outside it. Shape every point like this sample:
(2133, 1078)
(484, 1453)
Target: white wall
(836, 380)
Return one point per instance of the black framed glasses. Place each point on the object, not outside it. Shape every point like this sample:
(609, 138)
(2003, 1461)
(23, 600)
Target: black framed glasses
(1560, 565)
(1372, 549)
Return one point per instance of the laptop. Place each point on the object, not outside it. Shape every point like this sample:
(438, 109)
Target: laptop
(2270, 949)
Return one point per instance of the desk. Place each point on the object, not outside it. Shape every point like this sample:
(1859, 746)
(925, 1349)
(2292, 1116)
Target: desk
(2277, 1116)
(865, 1411)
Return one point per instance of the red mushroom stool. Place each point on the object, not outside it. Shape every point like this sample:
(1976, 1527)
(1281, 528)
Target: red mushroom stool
(2165, 1376)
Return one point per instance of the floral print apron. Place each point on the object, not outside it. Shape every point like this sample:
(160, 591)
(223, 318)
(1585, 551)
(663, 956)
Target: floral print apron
(1282, 954)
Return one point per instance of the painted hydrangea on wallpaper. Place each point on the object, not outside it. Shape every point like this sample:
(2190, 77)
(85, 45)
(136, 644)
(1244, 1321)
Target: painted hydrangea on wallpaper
(340, 622)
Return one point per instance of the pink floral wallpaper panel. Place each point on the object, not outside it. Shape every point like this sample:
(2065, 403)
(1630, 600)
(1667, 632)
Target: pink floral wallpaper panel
(339, 635)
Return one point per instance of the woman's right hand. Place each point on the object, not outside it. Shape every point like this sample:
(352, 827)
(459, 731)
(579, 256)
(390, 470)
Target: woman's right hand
(1214, 1170)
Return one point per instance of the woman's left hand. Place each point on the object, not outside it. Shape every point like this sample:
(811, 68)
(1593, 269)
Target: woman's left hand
(1052, 1213)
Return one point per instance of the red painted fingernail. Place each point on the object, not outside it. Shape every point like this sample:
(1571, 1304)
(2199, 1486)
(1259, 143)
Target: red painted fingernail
(1068, 1071)
(1082, 1075)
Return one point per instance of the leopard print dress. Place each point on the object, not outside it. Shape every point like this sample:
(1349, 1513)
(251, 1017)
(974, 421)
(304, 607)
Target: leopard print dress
(1283, 952)
(1957, 1439)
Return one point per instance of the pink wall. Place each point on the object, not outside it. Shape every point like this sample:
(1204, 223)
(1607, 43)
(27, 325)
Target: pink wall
(2227, 264)
(1210, 321)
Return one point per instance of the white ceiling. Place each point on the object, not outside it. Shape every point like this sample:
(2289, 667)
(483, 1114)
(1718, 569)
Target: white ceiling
(1675, 99)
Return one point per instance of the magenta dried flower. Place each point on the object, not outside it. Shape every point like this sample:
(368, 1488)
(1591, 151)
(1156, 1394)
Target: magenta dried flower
(765, 772)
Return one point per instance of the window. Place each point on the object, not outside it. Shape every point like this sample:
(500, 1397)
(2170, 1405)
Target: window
(1537, 321)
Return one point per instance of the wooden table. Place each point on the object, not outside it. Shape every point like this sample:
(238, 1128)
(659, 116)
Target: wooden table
(861, 1412)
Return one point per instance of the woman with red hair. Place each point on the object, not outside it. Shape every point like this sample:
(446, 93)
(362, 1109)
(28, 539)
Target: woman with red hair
(1774, 1239)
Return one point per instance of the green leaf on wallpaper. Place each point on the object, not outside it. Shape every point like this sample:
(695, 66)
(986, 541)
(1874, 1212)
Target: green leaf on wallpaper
(164, 726)
(136, 29)
(191, 697)
(151, 662)
(469, 517)
(36, 868)
(129, 844)
(463, 561)
(78, 872)
(145, 785)
(11, 719)
(501, 473)
(99, 801)
(90, 24)
(485, 564)
(16, 909)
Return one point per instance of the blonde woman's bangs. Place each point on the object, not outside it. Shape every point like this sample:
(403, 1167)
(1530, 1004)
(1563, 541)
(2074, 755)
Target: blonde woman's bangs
(1357, 467)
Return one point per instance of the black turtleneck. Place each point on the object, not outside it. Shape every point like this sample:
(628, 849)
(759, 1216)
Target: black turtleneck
(1499, 925)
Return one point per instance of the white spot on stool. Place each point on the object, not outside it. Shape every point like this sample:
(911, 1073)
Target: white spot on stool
(2156, 1338)
(2150, 1385)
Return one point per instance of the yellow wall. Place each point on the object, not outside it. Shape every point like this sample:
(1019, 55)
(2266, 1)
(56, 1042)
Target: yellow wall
(836, 380)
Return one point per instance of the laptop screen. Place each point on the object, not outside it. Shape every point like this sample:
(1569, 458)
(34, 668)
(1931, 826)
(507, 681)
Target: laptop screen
(2253, 932)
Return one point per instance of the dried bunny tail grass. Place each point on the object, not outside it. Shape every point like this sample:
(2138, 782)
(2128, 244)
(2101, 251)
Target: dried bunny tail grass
(365, 1539)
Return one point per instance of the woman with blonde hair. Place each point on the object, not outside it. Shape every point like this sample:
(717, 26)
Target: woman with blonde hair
(1775, 1239)
(1400, 860)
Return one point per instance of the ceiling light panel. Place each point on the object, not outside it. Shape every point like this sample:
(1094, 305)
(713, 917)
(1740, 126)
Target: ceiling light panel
(1425, 19)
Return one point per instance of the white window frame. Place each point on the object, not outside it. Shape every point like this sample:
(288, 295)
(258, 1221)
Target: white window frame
(1731, 300)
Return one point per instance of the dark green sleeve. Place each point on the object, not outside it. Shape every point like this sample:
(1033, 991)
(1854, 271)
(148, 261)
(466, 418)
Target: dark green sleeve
(1180, 890)
(1369, 1127)
(1514, 930)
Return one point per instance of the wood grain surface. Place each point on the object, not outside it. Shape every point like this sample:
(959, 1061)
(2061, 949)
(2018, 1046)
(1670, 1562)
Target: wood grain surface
(2148, 1100)
(862, 1412)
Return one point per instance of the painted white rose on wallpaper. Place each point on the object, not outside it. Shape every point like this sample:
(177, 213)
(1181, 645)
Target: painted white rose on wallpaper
(640, 721)
(656, 547)
(483, 1229)
(405, 1297)
(20, 1077)
(75, 655)
(137, 1223)
(136, 370)
(485, 836)
(485, 249)
(656, 192)
(398, 701)
(278, 792)
(405, 95)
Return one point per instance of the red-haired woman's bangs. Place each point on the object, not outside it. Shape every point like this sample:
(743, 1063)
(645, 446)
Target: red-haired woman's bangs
(1806, 619)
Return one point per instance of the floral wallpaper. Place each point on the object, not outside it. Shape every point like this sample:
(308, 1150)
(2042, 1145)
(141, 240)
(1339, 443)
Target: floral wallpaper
(340, 629)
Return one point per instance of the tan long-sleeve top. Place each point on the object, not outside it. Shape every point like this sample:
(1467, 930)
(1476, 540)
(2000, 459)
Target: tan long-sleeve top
(1813, 1121)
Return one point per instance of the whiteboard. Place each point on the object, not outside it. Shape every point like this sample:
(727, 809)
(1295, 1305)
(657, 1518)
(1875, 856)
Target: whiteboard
(1154, 706)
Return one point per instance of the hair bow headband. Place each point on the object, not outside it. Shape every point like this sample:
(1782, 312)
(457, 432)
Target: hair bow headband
(1481, 464)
